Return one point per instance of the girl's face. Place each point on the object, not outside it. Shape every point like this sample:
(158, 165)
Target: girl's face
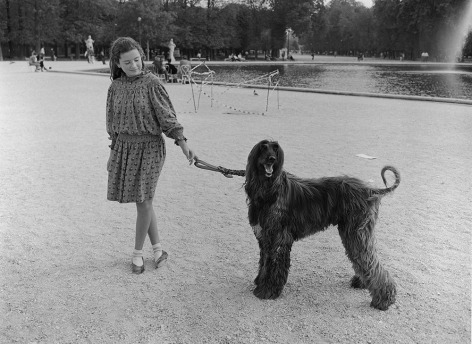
(131, 63)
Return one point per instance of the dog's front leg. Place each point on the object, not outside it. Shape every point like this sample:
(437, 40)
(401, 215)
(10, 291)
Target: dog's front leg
(258, 234)
(275, 260)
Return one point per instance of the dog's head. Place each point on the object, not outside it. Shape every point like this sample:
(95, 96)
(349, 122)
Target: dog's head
(265, 160)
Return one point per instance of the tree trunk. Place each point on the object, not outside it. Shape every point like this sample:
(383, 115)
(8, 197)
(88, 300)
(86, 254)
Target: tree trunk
(21, 30)
(36, 27)
(10, 43)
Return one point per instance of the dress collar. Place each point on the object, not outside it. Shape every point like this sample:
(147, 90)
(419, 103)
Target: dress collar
(133, 78)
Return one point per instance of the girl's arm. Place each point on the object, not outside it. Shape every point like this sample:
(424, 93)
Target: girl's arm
(190, 154)
(110, 113)
(168, 120)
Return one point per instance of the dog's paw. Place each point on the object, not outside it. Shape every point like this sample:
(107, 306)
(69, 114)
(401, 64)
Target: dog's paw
(381, 304)
(266, 293)
(357, 283)
(384, 300)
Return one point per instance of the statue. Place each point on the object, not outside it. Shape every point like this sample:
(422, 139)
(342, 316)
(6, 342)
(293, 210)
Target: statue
(171, 51)
(89, 54)
(89, 43)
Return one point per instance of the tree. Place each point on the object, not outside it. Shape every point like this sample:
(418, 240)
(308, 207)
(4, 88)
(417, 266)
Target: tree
(430, 26)
(409, 26)
(81, 18)
(29, 23)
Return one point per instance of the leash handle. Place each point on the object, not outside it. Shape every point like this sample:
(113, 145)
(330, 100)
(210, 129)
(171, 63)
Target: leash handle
(224, 171)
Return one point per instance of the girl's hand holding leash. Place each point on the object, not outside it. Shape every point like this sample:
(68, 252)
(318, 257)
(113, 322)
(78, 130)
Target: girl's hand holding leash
(190, 154)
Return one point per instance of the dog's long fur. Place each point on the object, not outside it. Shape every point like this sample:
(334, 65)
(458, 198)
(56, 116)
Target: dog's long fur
(284, 208)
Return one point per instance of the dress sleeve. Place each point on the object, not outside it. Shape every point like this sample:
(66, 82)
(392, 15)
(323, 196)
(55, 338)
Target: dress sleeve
(165, 113)
(111, 133)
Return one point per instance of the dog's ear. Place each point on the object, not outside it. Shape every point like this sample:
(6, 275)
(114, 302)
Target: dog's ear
(252, 160)
(251, 167)
(280, 158)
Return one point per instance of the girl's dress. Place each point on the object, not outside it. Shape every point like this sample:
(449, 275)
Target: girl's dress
(138, 112)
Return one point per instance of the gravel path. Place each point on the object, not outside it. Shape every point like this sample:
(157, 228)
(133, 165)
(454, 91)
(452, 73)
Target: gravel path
(65, 250)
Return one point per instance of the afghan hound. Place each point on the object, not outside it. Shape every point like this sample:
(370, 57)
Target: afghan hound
(284, 208)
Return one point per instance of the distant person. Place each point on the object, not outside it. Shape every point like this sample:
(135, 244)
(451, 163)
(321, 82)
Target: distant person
(171, 69)
(33, 61)
(102, 56)
(159, 66)
(41, 63)
(424, 56)
(138, 112)
(53, 55)
(184, 61)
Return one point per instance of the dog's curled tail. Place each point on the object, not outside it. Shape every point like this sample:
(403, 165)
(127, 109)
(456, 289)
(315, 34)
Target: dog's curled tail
(389, 188)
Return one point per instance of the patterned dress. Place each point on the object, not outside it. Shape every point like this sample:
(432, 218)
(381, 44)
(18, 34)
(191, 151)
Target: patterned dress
(138, 112)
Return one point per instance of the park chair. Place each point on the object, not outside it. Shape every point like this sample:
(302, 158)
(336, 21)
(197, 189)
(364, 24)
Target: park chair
(185, 73)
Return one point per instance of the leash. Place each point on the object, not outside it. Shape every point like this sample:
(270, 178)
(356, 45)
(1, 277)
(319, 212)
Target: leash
(225, 171)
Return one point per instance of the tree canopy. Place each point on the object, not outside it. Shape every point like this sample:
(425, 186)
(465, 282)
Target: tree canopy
(345, 26)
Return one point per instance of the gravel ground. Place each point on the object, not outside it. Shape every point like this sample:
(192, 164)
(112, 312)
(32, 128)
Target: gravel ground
(65, 276)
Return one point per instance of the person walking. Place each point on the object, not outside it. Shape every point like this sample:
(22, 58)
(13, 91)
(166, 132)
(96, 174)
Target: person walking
(102, 56)
(138, 112)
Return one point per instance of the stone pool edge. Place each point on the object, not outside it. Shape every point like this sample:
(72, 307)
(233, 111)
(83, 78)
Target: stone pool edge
(316, 90)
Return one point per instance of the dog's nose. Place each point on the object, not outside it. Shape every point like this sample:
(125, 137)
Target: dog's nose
(272, 158)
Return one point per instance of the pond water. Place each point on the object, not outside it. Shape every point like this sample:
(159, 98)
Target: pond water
(427, 80)
(418, 80)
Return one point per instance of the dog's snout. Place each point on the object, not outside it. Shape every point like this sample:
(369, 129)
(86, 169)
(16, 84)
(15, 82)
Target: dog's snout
(272, 158)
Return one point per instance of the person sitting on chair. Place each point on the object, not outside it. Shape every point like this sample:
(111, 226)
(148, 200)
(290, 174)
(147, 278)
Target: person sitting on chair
(159, 67)
(172, 70)
(184, 61)
(33, 61)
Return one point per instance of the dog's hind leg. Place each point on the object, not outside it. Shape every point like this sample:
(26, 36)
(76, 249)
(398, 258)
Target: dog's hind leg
(275, 266)
(360, 249)
(357, 283)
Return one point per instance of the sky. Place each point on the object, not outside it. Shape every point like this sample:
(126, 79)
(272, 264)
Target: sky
(367, 3)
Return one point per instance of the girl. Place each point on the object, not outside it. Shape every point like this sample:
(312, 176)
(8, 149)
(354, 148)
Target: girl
(138, 112)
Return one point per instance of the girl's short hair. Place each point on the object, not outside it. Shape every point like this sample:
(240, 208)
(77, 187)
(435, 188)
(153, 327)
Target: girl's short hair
(120, 46)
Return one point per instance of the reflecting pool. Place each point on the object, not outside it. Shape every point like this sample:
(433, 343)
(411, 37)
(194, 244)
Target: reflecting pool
(418, 80)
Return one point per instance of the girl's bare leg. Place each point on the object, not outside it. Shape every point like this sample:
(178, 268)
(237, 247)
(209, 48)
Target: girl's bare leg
(143, 222)
(152, 232)
(146, 224)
